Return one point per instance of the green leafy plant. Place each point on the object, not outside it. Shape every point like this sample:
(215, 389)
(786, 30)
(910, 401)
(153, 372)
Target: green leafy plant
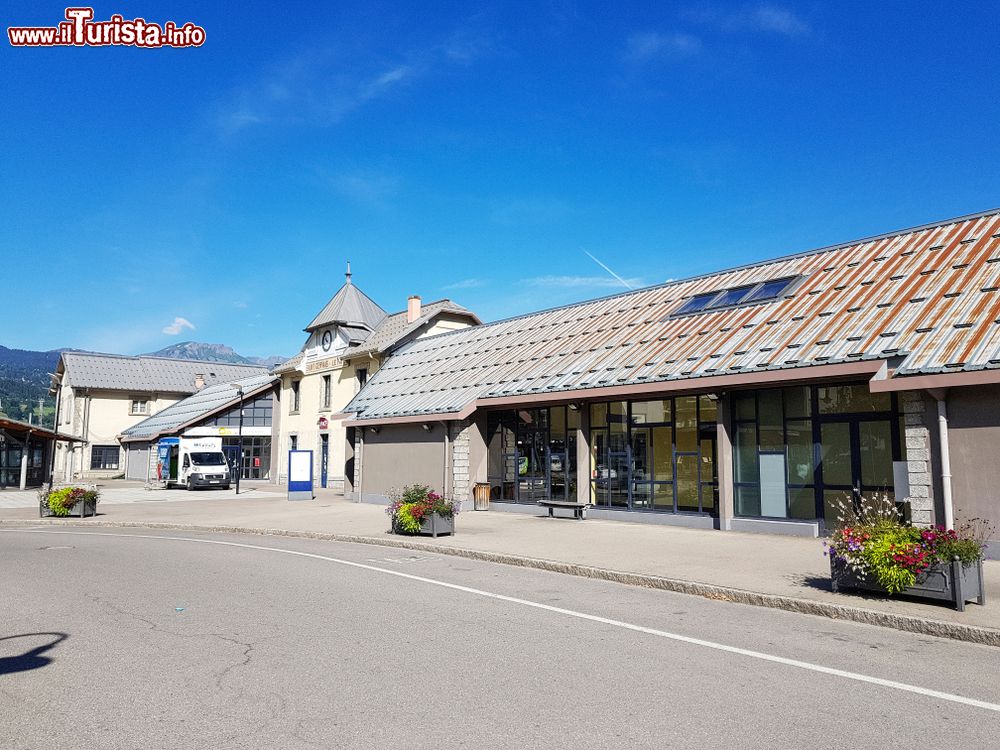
(409, 507)
(872, 540)
(60, 502)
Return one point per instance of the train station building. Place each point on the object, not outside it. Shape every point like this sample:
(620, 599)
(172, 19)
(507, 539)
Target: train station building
(755, 398)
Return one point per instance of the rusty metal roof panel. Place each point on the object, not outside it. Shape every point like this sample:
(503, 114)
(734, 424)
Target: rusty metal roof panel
(928, 297)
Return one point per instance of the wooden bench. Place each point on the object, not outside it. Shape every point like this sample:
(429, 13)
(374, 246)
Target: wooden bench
(579, 509)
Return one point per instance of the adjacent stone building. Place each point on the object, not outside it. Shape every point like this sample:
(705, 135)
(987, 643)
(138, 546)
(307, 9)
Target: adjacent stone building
(99, 396)
(214, 411)
(346, 344)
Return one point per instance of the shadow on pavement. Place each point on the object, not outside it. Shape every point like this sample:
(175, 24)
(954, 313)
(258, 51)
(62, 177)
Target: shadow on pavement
(32, 659)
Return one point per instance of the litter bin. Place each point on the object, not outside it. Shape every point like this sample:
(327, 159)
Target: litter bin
(481, 496)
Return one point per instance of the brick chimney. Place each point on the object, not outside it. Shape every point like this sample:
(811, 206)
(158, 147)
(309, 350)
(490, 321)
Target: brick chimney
(412, 308)
(199, 381)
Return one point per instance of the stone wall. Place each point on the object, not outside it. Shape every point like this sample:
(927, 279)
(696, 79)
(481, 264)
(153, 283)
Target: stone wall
(461, 486)
(917, 444)
(358, 447)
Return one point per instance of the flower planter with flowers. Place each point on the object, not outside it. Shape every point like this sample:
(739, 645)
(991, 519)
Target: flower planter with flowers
(78, 502)
(417, 510)
(875, 551)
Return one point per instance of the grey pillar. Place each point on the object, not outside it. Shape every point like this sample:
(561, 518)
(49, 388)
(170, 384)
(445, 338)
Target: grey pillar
(478, 455)
(583, 456)
(24, 466)
(724, 462)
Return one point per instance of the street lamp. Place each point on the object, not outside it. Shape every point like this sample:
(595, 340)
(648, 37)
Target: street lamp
(239, 461)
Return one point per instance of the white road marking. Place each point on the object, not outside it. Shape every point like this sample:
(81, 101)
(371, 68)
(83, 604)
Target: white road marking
(567, 612)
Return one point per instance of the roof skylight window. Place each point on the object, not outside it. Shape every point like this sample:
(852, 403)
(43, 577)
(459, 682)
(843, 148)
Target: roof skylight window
(741, 295)
(731, 296)
(697, 303)
(769, 290)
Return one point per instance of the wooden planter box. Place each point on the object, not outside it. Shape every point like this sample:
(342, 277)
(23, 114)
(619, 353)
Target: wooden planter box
(80, 509)
(951, 582)
(432, 525)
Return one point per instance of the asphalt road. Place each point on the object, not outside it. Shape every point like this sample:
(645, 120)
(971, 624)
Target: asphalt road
(145, 640)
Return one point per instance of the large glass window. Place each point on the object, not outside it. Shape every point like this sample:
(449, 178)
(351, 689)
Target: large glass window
(645, 455)
(257, 412)
(501, 455)
(798, 449)
(531, 454)
(849, 399)
(662, 457)
(10, 463)
(104, 457)
(256, 460)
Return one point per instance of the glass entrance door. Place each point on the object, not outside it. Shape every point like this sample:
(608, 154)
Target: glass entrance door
(532, 466)
(855, 462)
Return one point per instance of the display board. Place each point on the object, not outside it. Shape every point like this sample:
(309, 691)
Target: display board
(300, 475)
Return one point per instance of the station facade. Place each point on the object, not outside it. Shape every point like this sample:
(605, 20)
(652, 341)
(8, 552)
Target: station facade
(757, 398)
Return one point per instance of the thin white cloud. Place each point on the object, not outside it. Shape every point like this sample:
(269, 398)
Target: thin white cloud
(779, 20)
(579, 282)
(647, 46)
(468, 44)
(465, 284)
(309, 89)
(177, 326)
(240, 305)
(320, 88)
(766, 18)
(367, 188)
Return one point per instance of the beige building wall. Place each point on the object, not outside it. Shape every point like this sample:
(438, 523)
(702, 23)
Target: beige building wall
(344, 386)
(304, 424)
(443, 325)
(399, 455)
(99, 416)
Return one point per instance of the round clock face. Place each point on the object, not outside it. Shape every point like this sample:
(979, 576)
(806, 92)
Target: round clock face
(327, 341)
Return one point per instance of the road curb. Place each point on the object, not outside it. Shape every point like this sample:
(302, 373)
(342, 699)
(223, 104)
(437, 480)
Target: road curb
(909, 623)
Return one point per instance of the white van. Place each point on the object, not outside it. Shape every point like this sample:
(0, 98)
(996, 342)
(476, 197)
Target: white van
(193, 463)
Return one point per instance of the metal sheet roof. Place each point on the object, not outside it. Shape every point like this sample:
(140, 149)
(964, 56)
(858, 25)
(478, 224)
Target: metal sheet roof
(203, 403)
(349, 307)
(23, 429)
(389, 332)
(395, 327)
(928, 298)
(148, 374)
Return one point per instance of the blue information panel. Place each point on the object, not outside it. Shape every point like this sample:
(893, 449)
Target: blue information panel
(300, 475)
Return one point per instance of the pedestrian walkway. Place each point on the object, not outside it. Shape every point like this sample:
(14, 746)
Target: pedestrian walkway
(774, 566)
(119, 493)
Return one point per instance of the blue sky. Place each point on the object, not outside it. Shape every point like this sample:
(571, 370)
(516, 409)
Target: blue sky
(475, 151)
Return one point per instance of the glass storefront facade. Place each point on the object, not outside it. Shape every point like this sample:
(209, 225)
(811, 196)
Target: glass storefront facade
(644, 455)
(798, 452)
(256, 461)
(10, 463)
(654, 455)
(532, 454)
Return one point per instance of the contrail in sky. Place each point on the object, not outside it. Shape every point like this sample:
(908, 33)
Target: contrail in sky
(589, 255)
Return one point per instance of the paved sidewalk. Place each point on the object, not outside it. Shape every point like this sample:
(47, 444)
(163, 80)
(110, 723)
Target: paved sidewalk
(770, 566)
(115, 492)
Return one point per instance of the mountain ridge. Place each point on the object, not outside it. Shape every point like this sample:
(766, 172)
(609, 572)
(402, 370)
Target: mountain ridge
(24, 373)
(212, 353)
